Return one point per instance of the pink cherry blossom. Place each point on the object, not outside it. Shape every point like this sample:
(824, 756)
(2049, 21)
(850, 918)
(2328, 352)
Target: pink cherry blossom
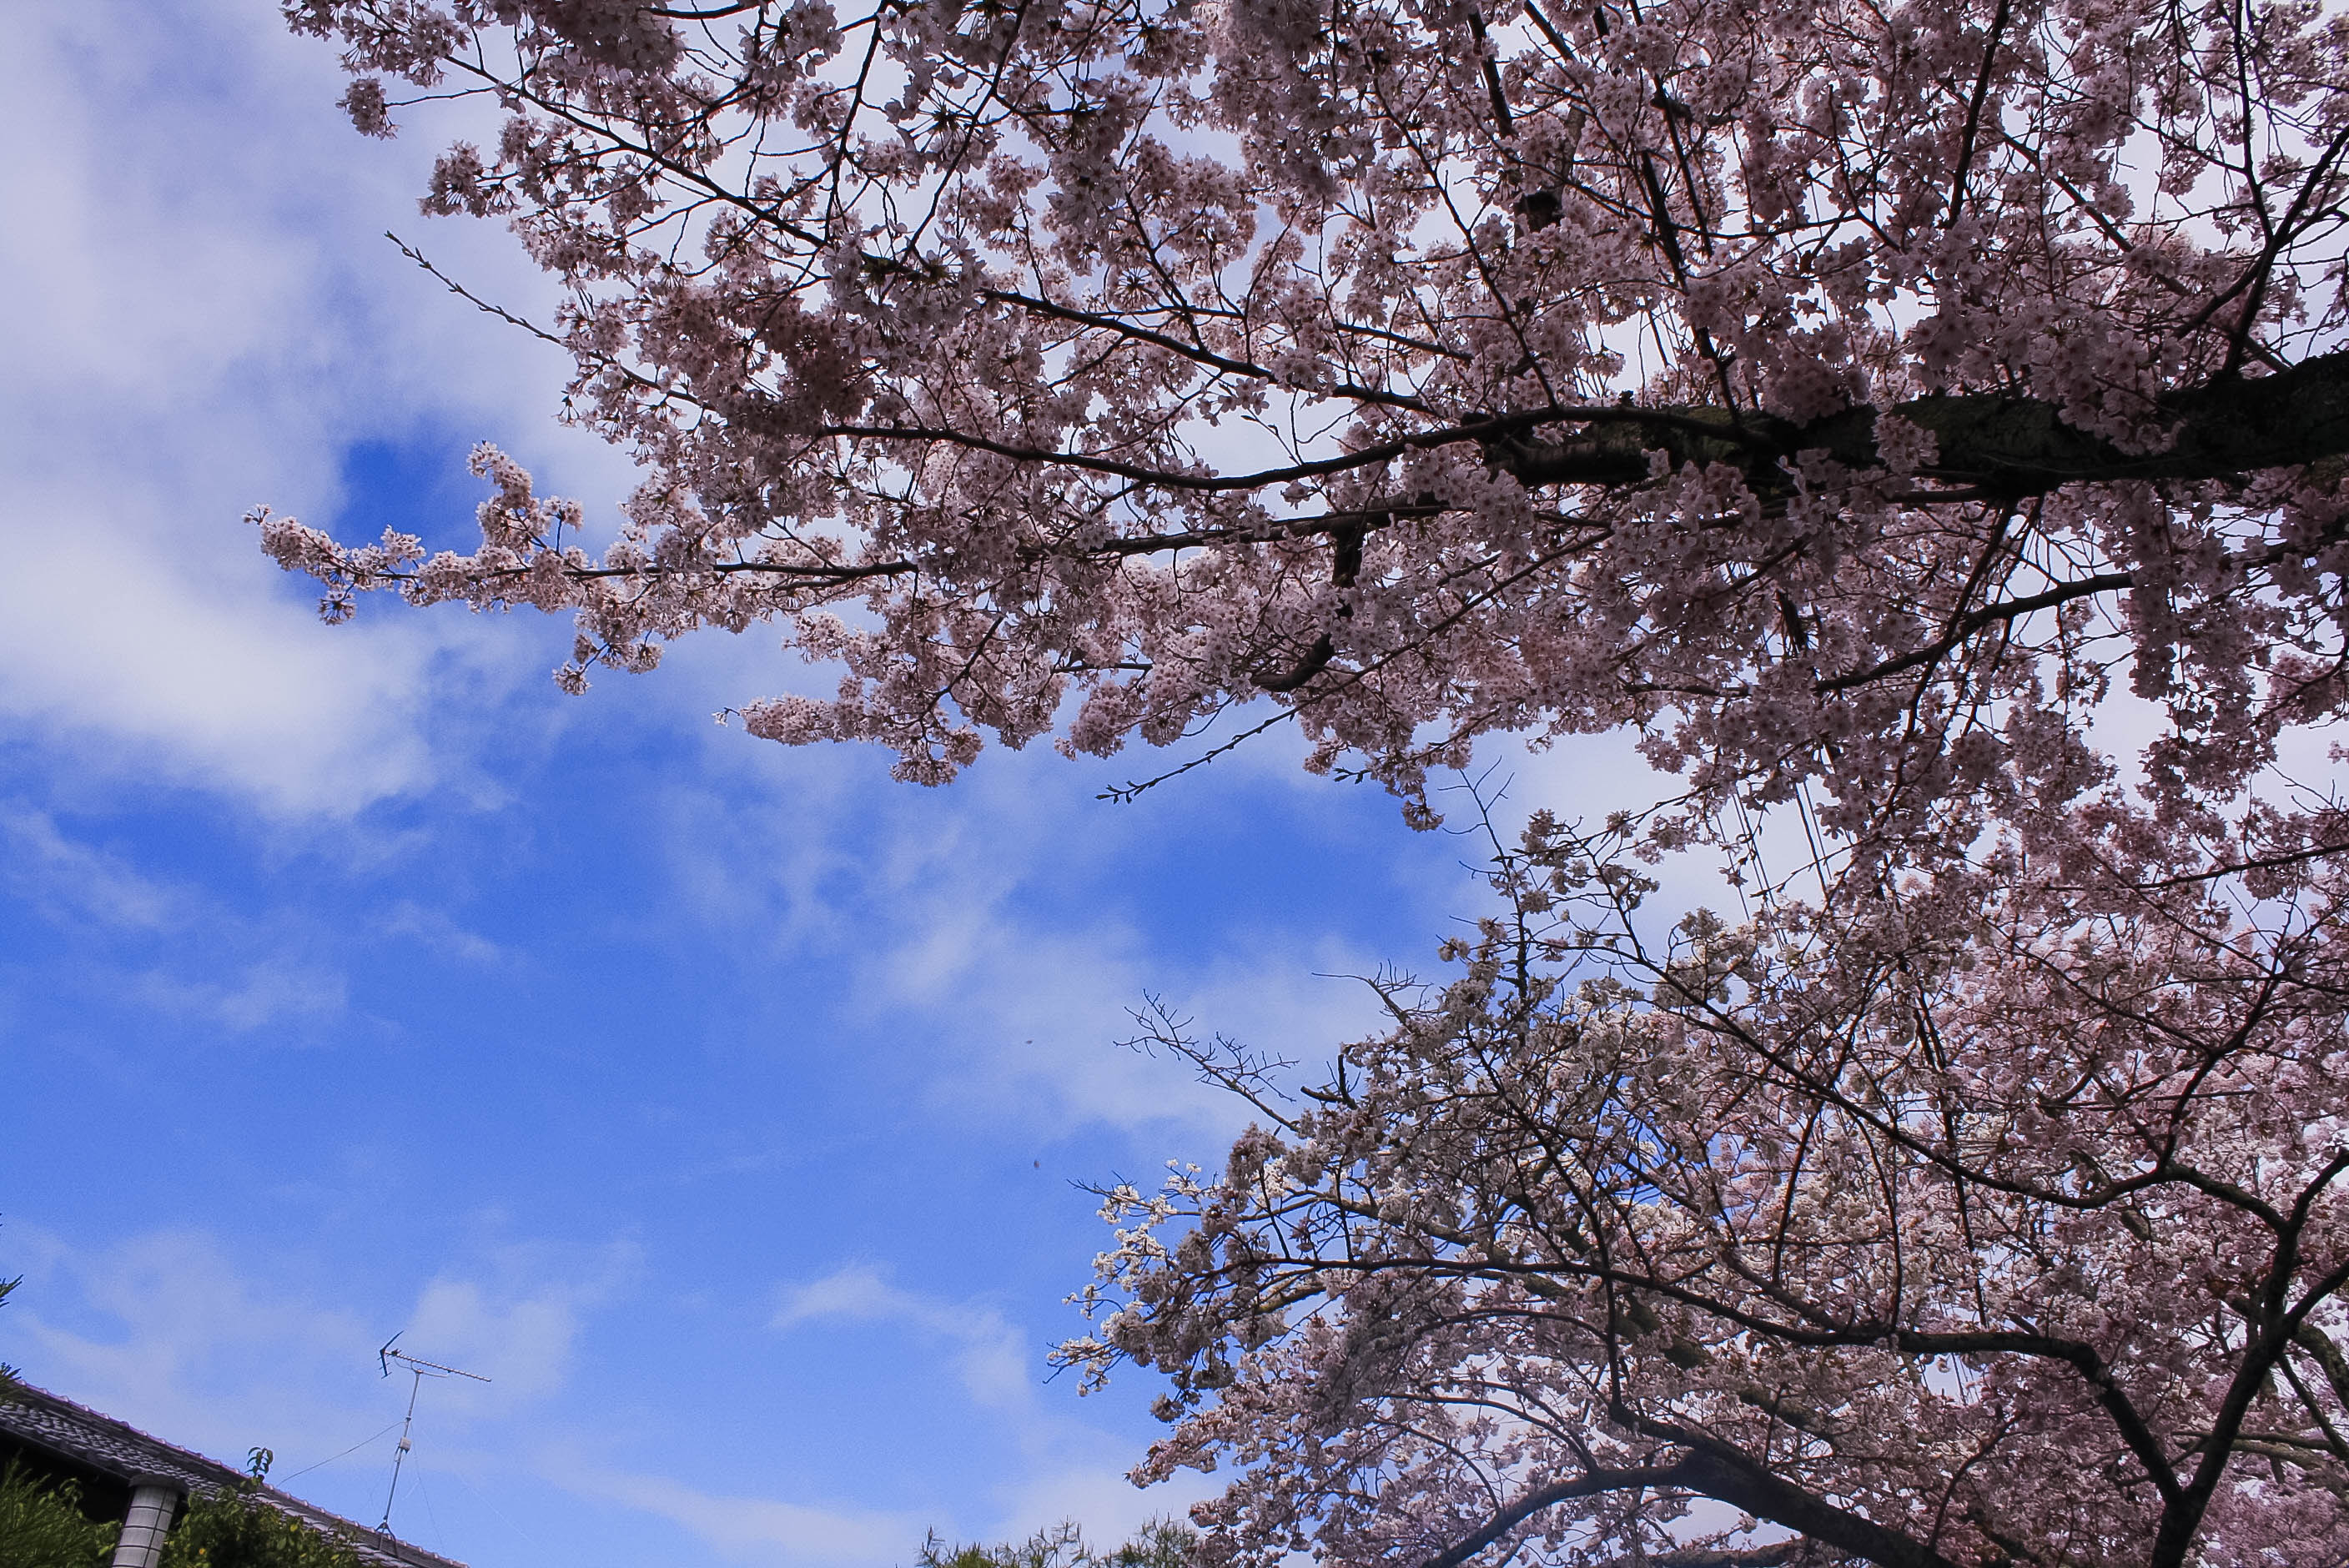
(1432, 371)
(1929, 421)
(1989, 1220)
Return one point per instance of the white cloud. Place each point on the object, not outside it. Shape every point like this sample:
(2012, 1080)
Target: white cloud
(857, 1294)
(198, 958)
(210, 321)
(172, 1334)
(151, 673)
(40, 864)
(759, 1531)
(1111, 1508)
(929, 908)
(270, 992)
(169, 1333)
(525, 1347)
(514, 1316)
(1035, 1000)
(438, 932)
(1069, 1471)
(997, 1363)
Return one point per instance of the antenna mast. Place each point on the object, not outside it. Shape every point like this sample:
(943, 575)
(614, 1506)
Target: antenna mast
(417, 1370)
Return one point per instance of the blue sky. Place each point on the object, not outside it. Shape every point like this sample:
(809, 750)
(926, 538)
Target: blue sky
(720, 1103)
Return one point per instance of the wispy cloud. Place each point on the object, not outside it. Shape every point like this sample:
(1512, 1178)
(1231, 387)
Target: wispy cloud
(65, 878)
(1069, 1470)
(170, 948)
(211, 333)
(165, 1330)
(440, 933)
(515, 1318)
(175, 1333)
(756, 1530)
(997, 1363)
(983, 926)
(266, 994)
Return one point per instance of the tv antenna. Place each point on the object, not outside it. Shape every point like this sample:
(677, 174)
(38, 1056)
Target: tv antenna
(418, 1369)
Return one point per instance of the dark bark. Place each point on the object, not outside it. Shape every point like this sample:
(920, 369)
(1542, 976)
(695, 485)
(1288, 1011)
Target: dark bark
(1991, 444)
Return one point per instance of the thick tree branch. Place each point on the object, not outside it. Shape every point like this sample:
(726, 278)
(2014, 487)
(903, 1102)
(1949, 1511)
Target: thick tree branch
(2001, 445)
(1588, 1485)
(2004, 446)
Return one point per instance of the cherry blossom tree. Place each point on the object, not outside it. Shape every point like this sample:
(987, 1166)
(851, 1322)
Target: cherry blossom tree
(1992, 1221)
(1829, 391)
(1927, 422)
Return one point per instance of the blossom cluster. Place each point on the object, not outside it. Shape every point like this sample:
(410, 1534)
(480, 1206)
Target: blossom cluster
(1983, 1221)
(1928, 420)
(1837, 393)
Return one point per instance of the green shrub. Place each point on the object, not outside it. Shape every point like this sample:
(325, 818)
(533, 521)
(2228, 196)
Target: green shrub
(1162, 1543)
(42, 1525)
(237, 1530)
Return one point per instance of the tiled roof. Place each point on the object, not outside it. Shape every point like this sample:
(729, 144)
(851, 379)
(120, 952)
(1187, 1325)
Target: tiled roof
(42, 1421)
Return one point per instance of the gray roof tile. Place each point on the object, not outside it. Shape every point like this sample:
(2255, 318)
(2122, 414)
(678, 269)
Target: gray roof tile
(43, 1420)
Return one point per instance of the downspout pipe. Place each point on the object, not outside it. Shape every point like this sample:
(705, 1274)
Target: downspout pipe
(153, 1501)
